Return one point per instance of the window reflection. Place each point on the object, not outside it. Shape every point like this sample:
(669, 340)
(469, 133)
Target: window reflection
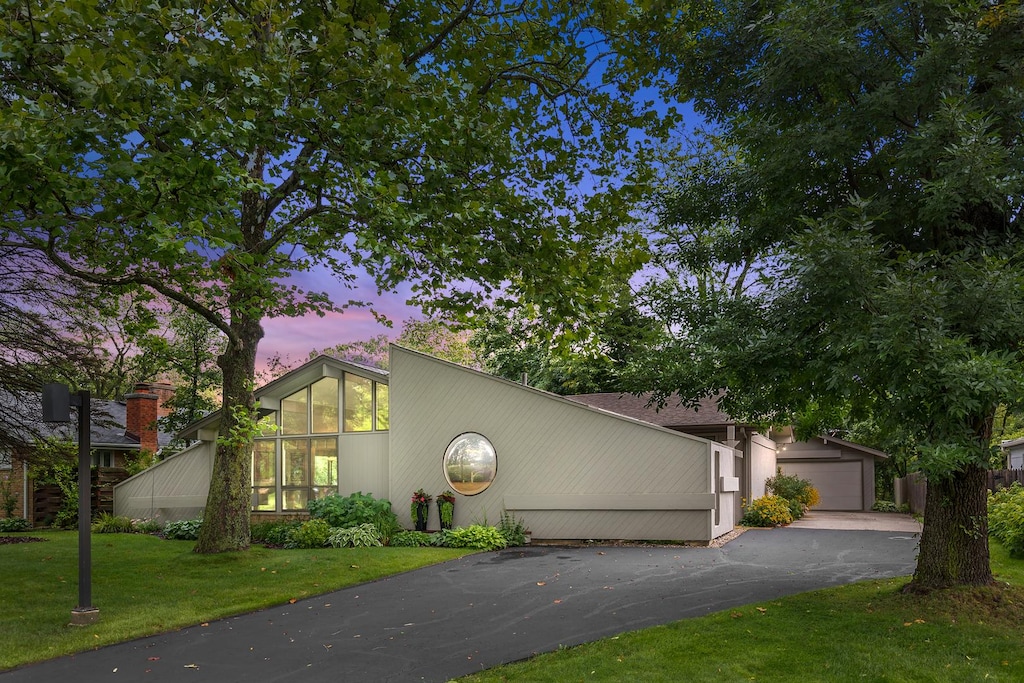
(470, 463)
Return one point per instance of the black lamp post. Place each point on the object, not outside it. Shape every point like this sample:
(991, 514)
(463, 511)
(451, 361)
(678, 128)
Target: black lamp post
(57, 402)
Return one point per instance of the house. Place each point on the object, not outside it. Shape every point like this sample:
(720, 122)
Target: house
(119, 430)
(1014, 452)
(841, 471)
(568, 470)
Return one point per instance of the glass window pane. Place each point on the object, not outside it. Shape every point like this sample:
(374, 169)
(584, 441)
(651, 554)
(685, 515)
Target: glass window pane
(470, 463)
(324, 401)
(295, 499)
(325, 462)
(264, 464)
(383, 410)
(293, 414)
(358, 404)
(264, 499)
(295, 456)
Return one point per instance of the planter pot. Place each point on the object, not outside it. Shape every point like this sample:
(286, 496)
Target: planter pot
(420, 520)
(442, 509)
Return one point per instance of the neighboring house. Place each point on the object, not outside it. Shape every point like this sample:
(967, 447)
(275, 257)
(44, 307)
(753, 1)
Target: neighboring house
(568, 470)
(118, 431)
(842, 472)
(1014, 452)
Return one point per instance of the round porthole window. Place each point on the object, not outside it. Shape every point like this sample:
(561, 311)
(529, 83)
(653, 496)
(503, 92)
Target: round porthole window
(470, 463)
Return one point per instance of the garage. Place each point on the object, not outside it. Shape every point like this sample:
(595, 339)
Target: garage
(841, 471)
(840, 484)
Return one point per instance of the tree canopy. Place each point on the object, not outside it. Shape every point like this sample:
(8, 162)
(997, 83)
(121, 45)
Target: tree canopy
(879, 152)
(209, 152)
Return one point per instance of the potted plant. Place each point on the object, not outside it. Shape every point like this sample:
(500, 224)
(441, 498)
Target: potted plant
(419, 508)
(446, 508)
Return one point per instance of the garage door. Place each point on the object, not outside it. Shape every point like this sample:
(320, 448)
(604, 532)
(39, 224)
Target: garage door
(839, 483)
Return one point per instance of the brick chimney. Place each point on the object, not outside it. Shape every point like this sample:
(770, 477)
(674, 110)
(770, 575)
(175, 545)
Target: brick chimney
(143, 406)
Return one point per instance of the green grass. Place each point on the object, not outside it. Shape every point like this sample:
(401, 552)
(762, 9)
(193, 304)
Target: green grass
(863, 632)
(144, 585)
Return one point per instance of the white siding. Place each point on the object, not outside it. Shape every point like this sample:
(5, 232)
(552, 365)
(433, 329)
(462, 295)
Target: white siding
(566, 470)
(363, 464)
(173, 489)
(762, 464)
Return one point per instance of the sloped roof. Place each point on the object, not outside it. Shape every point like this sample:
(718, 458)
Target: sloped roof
(672, 415)
(24, 419)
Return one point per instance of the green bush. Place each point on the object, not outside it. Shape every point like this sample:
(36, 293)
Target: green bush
(889, 506)
(273, 533)
(409, 539)
(146, 526)
(476, 536)
(9, 524)
(1006, 518)
(512, 529)
(183, 530)
(107, 523)
(353, 510)
(442, 539)
(767, 511)
(310, 534)
(362, 536)
(799, 493)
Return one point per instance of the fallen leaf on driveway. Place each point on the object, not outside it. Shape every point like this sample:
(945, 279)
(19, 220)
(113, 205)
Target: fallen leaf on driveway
(542, 583)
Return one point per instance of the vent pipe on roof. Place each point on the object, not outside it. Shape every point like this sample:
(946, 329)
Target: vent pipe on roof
(525, 384)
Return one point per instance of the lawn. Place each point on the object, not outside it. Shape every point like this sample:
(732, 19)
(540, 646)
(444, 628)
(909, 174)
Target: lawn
(144, 585)
(863, 632)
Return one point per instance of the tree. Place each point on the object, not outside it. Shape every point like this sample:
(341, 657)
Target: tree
(207, 152)
(191, 357)
(881, 143)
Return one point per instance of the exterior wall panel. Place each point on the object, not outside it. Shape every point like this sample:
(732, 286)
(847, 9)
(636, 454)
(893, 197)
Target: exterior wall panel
(173, 489)
(363, 464)
(546, 446)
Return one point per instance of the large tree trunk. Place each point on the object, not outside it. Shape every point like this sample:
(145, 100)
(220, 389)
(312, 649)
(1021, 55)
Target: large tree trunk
(229, 504)
(954, 544)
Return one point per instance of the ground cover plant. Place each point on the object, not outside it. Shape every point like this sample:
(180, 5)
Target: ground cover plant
(143, 584)
(869, 631)
(1006, 518)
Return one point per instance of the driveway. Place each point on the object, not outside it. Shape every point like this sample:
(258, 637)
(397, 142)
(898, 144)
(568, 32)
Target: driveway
(459, 617)
(862, 521)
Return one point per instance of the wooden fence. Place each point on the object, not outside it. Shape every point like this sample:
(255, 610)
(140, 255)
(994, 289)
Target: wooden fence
(912, 488)
(47, 499)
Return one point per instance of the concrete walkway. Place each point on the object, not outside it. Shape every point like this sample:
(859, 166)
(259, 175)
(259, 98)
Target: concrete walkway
(452, 619)
(863, 521)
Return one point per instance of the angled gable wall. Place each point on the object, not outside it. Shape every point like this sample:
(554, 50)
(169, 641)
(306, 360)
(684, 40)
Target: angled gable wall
(568, 471)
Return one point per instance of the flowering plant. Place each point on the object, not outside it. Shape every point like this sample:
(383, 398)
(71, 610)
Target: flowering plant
(421, 497)
(420, 501)
(447, 497)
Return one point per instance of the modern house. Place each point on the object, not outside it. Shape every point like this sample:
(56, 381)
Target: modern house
(1014, 452)
(567, 470)
(841, 471)
(119, 430)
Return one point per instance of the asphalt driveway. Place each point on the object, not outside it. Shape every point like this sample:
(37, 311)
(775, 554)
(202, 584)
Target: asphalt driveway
(459, 617)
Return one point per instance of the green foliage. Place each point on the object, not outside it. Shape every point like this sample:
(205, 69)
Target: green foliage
(274, 534)
(310, 534)
(183, 529)
(1006, 518)
(512, 529)
(798, 493)
(889, 506)
(475, 536)
(9, 500)
(107, 523)
(442, 539)
(446, 508)
(147, 526)
(139, 462)
(767, 511)
(353, 510)
(410, 539)
(8, 524)
(361, 536)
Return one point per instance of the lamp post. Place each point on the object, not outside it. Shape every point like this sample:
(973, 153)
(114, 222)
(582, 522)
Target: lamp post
(57, 402)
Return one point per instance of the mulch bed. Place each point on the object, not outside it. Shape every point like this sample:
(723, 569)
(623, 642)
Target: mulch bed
(7, 540)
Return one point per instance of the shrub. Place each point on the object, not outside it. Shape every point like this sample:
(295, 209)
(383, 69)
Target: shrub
(767, 511)
(309, 534)
(183, 530)
(889, 506)
(353, 510)
(107, 523)
(476, 536)
(441, 539)
(362, 536)
(146, 526)
(1006, 518)
(8, 524)
(273, 533)
(512, 529)
(799, 493)
(409, 539)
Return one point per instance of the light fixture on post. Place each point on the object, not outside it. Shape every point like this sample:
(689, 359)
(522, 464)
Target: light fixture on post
(57, 402)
